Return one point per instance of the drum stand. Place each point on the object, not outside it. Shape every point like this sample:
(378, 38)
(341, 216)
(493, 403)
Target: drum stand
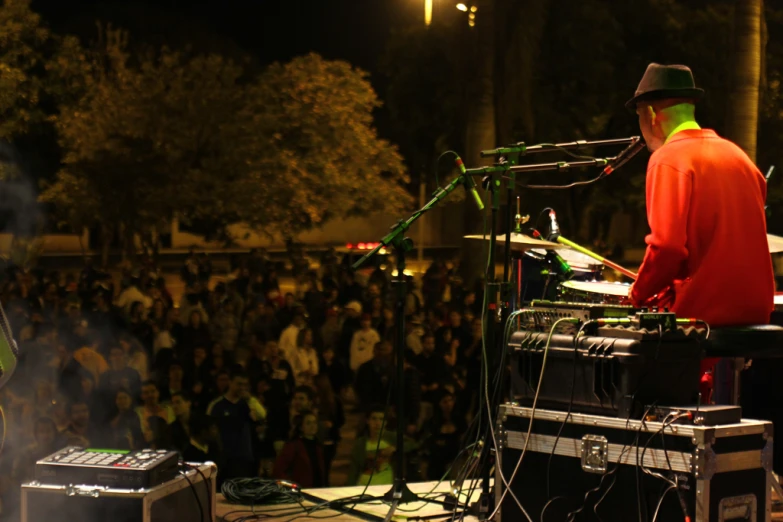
(505, 169)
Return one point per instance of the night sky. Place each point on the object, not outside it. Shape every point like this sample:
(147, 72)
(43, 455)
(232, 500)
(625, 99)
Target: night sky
(353, 30)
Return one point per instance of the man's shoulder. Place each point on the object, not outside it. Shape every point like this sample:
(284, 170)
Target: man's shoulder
(216, 405)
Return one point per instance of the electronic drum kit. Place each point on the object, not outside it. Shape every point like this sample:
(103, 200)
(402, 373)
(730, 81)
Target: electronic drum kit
(535, 277)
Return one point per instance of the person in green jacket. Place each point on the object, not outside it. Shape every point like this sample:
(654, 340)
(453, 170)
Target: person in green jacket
(371, 459)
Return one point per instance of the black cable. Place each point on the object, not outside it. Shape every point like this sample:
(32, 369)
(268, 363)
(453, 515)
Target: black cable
(680, 496)
(195, 494)
(207, 486)
(560, 187)
(538, 219)
(437, 164)
(256, 490)
(568, 411)
(608, 473)
(567, 151)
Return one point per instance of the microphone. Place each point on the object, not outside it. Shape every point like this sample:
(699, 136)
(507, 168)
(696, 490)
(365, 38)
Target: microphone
(469, 183)
(560, 265)
(625, 156)
(9, 352)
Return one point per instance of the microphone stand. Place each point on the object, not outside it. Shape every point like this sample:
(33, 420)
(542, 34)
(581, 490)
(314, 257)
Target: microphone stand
(400, 493)
(506, 168)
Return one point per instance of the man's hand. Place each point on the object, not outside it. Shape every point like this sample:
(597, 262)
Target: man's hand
(388, 451)
(630, 290)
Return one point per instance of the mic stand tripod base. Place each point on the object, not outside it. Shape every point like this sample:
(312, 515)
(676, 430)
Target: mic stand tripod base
(400, 493)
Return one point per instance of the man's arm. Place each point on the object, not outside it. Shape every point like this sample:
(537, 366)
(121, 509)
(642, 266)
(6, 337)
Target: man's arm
(668, 203)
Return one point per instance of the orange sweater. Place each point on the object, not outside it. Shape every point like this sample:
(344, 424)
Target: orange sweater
(708, 244)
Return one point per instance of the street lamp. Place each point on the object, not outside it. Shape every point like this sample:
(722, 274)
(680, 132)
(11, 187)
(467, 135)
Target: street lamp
(471, 15)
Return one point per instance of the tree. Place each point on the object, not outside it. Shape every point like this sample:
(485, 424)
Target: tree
(743, 106)
(312, 150)
(140, 142)
(167, 133)
(36, 68)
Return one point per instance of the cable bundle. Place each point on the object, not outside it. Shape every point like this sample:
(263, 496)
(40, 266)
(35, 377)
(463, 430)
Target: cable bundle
(252, 491)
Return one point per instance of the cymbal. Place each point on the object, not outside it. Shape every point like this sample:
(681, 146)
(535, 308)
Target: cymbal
(521, 242)
(775, 244)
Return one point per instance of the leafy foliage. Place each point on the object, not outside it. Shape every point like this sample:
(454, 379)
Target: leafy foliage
(37, 69)
(312, 150)
(169, 133)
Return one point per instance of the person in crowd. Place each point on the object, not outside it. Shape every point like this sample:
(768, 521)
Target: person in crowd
(331, 418)
(125, 425)
(288, 339)
(175, 382)
(334, 370)
(69, 371)
(351, 324)
(432, 369)
(235, 414)
(445, 432)
(362, 343)
(375, 376)
(302, 399)
(371, 458)
(204, 444)
(225, 326)
(180, 428)
(87, 355)
(136, 355)
(198, 372)
(196, 333)
(81, 431)
(46, 441)
(330, 330)
(302, 457)
(119, 375)
(304, 360)
(151, 407)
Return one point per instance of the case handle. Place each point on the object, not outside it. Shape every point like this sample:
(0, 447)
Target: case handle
(738, 508)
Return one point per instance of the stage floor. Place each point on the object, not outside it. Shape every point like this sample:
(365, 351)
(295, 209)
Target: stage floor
(372, 511)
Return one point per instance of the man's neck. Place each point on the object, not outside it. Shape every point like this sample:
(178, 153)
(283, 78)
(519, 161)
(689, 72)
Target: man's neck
(230, 397)
(184, 418)
(682, 126)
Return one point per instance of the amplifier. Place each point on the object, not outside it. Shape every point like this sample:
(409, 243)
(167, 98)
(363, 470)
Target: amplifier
(107, 467)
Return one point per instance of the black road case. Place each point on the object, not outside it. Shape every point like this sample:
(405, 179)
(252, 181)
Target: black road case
(174, 500)
(617, 470)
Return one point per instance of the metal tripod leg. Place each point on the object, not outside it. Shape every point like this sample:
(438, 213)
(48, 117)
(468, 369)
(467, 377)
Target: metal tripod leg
(776, 488)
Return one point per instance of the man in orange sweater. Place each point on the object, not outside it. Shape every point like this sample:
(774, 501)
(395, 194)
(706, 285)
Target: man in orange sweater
(707, 254)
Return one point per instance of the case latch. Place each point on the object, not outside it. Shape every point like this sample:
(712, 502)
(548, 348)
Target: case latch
(83, 491)
(595, 454)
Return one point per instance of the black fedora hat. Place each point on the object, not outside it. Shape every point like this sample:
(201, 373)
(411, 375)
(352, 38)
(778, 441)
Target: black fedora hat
(665, 81)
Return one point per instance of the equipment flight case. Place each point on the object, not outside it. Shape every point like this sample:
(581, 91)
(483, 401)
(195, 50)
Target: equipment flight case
(614, 469)
(185, 498)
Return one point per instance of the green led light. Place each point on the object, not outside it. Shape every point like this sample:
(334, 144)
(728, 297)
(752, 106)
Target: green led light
(117, 451)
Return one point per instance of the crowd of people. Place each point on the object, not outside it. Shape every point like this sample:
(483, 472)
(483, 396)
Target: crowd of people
(238, 372)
